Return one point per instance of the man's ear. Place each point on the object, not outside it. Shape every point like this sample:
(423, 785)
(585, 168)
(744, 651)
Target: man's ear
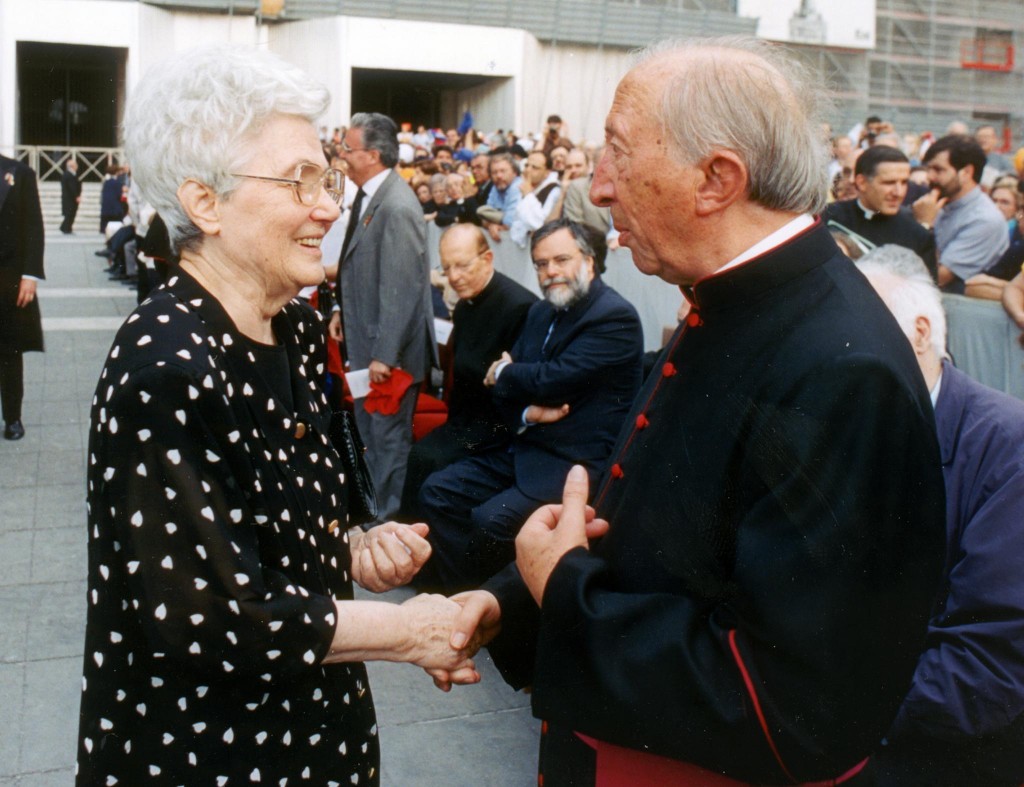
(922, 334)
(724, 182)
(201, 205)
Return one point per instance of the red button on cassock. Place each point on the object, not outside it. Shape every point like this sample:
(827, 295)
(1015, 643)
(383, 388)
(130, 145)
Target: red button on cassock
(617, 471)
(693, 319)
(668, 370)
(641, 421)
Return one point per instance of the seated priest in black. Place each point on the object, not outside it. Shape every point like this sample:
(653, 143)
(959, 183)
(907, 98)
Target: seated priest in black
(487, 320)
(563, 390)
(877, 214)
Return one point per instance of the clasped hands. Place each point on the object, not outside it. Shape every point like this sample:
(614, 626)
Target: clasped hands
(547, 535)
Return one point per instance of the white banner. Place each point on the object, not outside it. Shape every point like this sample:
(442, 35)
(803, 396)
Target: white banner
(840, 23)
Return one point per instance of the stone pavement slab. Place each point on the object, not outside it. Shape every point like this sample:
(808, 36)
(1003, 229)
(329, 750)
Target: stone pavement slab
(476, 735)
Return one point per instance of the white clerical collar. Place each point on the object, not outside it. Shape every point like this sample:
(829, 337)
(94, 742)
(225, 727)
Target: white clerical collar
(777, 238)
(868, 213)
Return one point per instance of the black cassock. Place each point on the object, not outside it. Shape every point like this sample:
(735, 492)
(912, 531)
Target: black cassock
(776, 507)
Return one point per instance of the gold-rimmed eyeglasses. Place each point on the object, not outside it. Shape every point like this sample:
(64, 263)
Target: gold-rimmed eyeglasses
(308, 181)
(462, 267)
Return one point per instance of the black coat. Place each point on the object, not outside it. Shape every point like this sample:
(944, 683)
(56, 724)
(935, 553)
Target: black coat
(777, 536)
(21, 254)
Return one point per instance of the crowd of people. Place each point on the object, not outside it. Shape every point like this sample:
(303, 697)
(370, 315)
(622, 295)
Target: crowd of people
(781, 550)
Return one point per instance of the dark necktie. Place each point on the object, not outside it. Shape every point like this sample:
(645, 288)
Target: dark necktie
(353, 220)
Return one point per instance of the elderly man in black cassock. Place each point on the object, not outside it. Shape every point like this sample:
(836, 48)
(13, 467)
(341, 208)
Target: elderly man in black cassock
(771, 517)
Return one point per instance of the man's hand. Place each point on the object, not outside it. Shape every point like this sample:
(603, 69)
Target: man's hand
(389, 555)
(553, 530)
(494, 230)
(334, 327)
(927, 207)
(379, 372)
(26, 292)
(539, 414)
(489, 378)
(429, 620)
(477, 623)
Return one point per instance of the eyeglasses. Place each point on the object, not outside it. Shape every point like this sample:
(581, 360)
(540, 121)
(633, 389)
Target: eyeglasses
(309, 180)
(462, 267)
(561, 261)
(349, 149)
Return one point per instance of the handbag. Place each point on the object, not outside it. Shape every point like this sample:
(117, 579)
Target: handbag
(362, 499)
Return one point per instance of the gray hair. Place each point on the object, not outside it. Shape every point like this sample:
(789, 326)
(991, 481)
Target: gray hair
(379, 133)
(767, 108)
(192, 116)
(589, 241)
(913, 293)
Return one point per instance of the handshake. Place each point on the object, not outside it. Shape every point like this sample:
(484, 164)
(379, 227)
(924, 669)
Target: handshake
(441, 634)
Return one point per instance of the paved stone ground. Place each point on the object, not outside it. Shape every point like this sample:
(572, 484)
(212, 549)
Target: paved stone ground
(479, 735)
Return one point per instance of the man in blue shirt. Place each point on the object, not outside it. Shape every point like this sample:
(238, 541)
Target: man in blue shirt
(500, 210)
(962, 721)
(970, 232)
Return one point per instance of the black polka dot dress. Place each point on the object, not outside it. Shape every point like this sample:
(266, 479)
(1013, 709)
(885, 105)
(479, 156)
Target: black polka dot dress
(216, 548)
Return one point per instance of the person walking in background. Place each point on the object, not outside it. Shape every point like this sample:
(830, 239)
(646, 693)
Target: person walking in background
(70, 195)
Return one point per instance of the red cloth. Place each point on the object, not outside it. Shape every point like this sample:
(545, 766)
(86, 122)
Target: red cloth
(385, 397)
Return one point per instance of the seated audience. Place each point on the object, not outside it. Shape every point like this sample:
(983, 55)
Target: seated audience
(962, 722)
(563, 391)
(488, 318)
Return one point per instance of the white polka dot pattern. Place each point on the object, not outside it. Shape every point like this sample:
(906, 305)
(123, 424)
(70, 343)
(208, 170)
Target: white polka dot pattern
(212, 571)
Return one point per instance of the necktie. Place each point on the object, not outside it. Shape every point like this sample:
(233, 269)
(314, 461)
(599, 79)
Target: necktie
(353, 220)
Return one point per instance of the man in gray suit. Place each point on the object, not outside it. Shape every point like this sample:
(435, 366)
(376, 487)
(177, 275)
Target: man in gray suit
(384, 292)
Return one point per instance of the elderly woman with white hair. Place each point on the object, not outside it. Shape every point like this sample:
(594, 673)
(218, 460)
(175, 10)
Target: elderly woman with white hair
(223, 644)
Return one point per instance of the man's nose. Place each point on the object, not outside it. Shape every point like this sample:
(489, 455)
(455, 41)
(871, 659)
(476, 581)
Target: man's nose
(602, 193)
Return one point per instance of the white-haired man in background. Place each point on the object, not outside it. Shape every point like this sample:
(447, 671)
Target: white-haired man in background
(963, 719)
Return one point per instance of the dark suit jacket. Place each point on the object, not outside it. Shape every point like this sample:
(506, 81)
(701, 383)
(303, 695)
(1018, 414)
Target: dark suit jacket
(384, 281)
(21, 253)
(962, 721)
(776, 510)
(592, 362)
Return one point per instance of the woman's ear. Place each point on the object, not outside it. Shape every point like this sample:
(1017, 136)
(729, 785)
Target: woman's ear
(201, 205)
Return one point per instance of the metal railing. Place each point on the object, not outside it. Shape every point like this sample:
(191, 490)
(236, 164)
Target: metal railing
(49, 161)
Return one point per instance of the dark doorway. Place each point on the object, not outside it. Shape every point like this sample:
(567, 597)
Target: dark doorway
(413, 97)
(69, 95)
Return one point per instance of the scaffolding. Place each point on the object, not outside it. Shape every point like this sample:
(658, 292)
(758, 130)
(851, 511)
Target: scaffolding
(934, 61)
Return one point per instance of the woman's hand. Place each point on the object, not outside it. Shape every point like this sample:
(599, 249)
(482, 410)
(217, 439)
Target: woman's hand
(389, 555)
(478, 622)
(430, 620)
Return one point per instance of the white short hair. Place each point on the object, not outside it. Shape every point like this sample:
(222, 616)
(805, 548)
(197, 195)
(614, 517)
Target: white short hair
(912, 292)
(192, 116)
(765, 107)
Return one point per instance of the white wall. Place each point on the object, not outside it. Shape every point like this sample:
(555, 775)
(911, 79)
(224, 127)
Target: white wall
(529, 80)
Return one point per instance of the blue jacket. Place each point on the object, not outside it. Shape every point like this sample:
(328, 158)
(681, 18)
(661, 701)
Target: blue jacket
(592, 362)
(969, 681)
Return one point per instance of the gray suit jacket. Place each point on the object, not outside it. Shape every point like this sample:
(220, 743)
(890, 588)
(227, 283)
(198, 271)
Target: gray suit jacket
(384, 281)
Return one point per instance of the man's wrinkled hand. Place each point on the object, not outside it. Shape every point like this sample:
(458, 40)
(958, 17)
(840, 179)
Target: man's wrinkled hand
(927, 206)
(553, 530)
(389, 555)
